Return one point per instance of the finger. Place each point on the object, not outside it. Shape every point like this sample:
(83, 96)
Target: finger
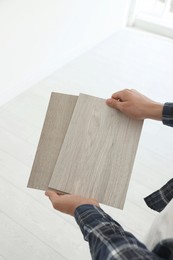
(118, 95)
(113, 103)
(122, 95)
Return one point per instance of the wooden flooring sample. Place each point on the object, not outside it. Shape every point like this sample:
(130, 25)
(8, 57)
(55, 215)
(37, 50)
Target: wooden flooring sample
(57, 120)
(98, 152)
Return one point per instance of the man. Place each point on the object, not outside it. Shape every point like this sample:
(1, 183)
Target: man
(107, 239)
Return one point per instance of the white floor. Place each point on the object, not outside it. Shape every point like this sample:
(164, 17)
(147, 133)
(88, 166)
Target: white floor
(29, 227)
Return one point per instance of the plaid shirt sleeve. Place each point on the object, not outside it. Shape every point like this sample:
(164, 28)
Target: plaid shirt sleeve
(107, 239)
(160, 198)
(167, 115)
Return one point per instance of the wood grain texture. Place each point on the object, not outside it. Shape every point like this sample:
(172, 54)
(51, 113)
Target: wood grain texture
(98, 152)
(57, 120)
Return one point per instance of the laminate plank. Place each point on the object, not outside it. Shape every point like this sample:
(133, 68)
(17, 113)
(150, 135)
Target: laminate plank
(98, 152)
(18, 243)
(57, 119)
(47, 227)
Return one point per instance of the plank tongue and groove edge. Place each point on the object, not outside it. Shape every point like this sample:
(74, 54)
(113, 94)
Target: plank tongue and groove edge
(98, 152)
(55, 126)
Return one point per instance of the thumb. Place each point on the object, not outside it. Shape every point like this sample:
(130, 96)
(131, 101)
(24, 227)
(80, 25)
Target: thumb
(114, 103)
(52, 195)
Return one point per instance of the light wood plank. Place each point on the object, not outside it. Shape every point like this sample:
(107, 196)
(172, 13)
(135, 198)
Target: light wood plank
(57, 119)
(98, 152)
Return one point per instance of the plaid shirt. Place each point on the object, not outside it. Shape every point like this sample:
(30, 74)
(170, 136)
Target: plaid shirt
(167, 115)
(108, 240)
(160, 198)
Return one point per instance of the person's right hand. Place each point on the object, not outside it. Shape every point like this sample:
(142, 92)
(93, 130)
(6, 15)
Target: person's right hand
(135, 105)
(68, 203)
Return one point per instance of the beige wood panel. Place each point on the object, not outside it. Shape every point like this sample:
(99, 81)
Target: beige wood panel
(57, 119)
(98, 152)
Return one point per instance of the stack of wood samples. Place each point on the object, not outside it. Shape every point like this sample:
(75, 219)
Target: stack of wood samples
(86, 148)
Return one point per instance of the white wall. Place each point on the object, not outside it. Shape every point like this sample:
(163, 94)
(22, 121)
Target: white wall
(39, 36)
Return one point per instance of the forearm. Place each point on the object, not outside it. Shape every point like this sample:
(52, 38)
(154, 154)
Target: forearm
(162, 112)
(107, 239)
(154, 111)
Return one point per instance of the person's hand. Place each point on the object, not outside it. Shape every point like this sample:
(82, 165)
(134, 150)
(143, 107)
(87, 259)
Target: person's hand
(68, 203)
(135, 105)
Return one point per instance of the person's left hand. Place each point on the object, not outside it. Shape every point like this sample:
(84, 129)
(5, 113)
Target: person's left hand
(68, 203)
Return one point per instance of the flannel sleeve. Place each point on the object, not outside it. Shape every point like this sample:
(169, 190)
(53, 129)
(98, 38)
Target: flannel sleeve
(160, 198)
(107, 239)
(167, 114)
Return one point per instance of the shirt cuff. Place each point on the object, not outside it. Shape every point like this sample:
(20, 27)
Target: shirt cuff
(167, 114)
(159, 199)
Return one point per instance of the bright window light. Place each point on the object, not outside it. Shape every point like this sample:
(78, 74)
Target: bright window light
(155, 16)
(158, 8)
